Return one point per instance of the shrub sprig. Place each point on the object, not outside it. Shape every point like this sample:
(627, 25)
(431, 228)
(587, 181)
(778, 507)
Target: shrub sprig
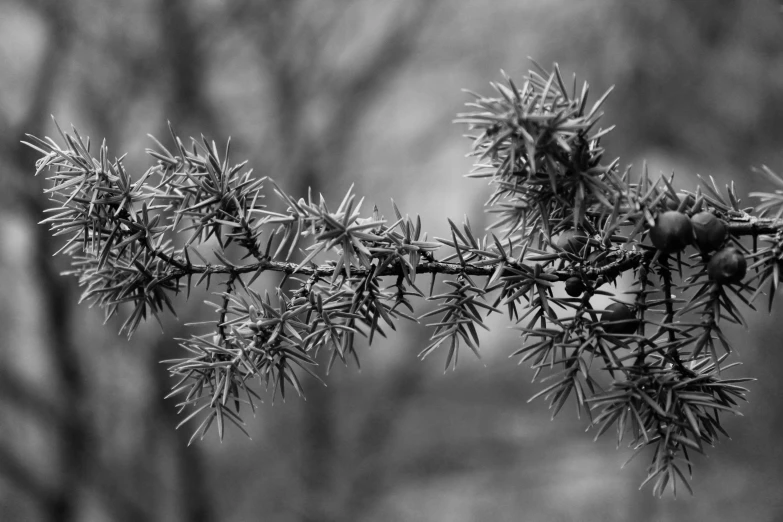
(651, 367)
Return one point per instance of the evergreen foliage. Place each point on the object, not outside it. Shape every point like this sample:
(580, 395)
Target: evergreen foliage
(653, 366)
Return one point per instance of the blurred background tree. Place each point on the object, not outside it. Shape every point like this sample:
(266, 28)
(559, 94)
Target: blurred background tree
(325, 94)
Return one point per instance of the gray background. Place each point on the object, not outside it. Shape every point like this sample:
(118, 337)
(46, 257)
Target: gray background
(325, 94)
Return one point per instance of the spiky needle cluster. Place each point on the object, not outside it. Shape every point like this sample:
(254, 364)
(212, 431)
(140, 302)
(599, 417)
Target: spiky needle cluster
(651, 365)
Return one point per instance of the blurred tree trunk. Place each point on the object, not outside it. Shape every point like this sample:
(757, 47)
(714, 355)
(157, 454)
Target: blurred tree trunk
(305, 79)
(71, 431)
(70, 412)
(182, 48)
(186, 104)
(79, 465)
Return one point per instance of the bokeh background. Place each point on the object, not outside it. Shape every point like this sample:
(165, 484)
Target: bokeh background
(326, 93)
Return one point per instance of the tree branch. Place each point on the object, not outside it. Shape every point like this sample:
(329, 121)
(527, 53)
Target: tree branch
(624, 260)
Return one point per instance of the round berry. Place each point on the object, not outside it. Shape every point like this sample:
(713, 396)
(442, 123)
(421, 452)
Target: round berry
(619, 319)
(727, 266)
(572, 241)
(709, 230)
(672, 231)
(574, 286)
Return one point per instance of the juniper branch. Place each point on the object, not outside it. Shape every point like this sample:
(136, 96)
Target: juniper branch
(738, 226)
(563, 215)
